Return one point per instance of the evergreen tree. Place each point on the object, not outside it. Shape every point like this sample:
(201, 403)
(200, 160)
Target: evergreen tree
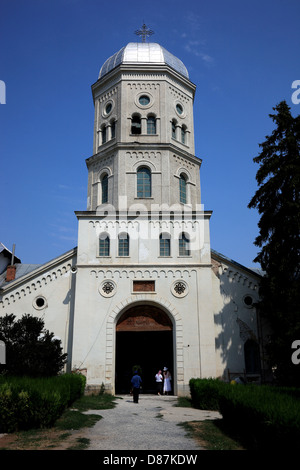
(30, 349)
(277, 200)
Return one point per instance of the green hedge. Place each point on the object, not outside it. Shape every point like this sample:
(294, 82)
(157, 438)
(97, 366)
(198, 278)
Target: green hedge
(265, 417)
(205, 393)
(27, 403)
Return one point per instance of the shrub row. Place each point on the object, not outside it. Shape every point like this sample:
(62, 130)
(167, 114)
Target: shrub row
(27, 403)
(265, 417)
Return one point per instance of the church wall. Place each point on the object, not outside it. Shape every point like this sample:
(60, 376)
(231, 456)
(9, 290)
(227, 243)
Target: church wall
(94, 311)
(55, 285)
(97, 312)
(143, 239)
(235, 321)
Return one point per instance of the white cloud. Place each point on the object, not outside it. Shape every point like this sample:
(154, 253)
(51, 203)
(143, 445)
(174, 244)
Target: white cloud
(194, 47)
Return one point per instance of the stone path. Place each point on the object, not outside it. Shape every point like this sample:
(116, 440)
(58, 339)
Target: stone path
(152, 424)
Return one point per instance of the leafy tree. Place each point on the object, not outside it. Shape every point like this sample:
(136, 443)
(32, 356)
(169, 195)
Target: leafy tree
(277, 199)
(30, 349)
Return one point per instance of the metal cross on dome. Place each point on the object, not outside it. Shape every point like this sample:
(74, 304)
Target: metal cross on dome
(144, 31)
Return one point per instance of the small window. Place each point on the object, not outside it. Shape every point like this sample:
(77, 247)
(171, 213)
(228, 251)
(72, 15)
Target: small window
(164, 244)
(108, 108)
(184, 246)
(183, 134)
(179, 108)
(248, 301)
(144, 100)
(104, 136)
(104, 245)
(123, 244)
(136, 126)
(104, 189)
(143, 182)
(182, 189)
(151, 125)
(173, 129)
(40, 303)
(113, 129)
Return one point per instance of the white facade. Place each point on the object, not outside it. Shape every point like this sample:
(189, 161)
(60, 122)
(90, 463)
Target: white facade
(143, 286)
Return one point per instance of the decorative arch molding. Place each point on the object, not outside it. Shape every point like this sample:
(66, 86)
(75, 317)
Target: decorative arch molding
(121, 308)
(144, 162)
(185, 171)
(104, 273)
(104, 171)
(38, 282)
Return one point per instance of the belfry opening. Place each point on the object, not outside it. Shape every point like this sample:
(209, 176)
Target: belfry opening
(144, 340)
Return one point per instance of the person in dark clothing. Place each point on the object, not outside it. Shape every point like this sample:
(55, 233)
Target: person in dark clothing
(136, 384)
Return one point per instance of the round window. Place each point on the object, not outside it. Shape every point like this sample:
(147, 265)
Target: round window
(144, 100)
(40, 303)
(108, 108)
(179, 108)
(248, 300)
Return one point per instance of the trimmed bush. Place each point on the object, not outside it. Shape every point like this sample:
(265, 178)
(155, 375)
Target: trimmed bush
(205, 393)
(27, 403)
(265, 417)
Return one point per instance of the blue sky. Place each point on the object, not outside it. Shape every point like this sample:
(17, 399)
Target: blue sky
(243, 56)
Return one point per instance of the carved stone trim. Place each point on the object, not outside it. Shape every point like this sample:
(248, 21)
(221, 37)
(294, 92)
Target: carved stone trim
(107, 288)
(179, 289)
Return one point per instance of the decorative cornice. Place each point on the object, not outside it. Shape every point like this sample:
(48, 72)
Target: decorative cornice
(38, 278)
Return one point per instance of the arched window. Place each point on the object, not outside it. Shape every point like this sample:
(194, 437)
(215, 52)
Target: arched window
(104, 244)
(182, 189)
(151, 125)
(143, 182)
(184, 245)
(164, 244)
(104, 188)
(123, 244)
(136, 126)
(104, 134)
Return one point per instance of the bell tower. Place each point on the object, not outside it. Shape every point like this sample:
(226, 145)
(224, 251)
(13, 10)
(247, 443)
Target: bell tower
(144, 238)
(143, 114)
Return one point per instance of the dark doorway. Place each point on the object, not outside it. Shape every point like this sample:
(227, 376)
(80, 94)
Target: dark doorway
(151, 350)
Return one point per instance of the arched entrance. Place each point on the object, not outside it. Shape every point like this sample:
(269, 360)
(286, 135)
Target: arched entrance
(144, 337)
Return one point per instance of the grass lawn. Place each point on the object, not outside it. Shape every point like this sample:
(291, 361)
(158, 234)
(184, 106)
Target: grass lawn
(69, 430)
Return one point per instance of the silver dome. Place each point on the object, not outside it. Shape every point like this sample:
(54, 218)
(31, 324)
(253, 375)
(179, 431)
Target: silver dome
(143, 53)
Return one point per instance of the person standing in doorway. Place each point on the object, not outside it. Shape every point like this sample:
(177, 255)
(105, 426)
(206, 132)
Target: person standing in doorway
(136, 384)
(167, 381)
(159, 382)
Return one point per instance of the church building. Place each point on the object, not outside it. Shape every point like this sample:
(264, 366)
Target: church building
(143, 287)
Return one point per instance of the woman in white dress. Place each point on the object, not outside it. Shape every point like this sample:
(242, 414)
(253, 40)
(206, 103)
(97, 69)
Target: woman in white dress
(167, 381)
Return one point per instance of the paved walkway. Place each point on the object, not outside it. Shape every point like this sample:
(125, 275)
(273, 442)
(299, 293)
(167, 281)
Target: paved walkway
(152, 424)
